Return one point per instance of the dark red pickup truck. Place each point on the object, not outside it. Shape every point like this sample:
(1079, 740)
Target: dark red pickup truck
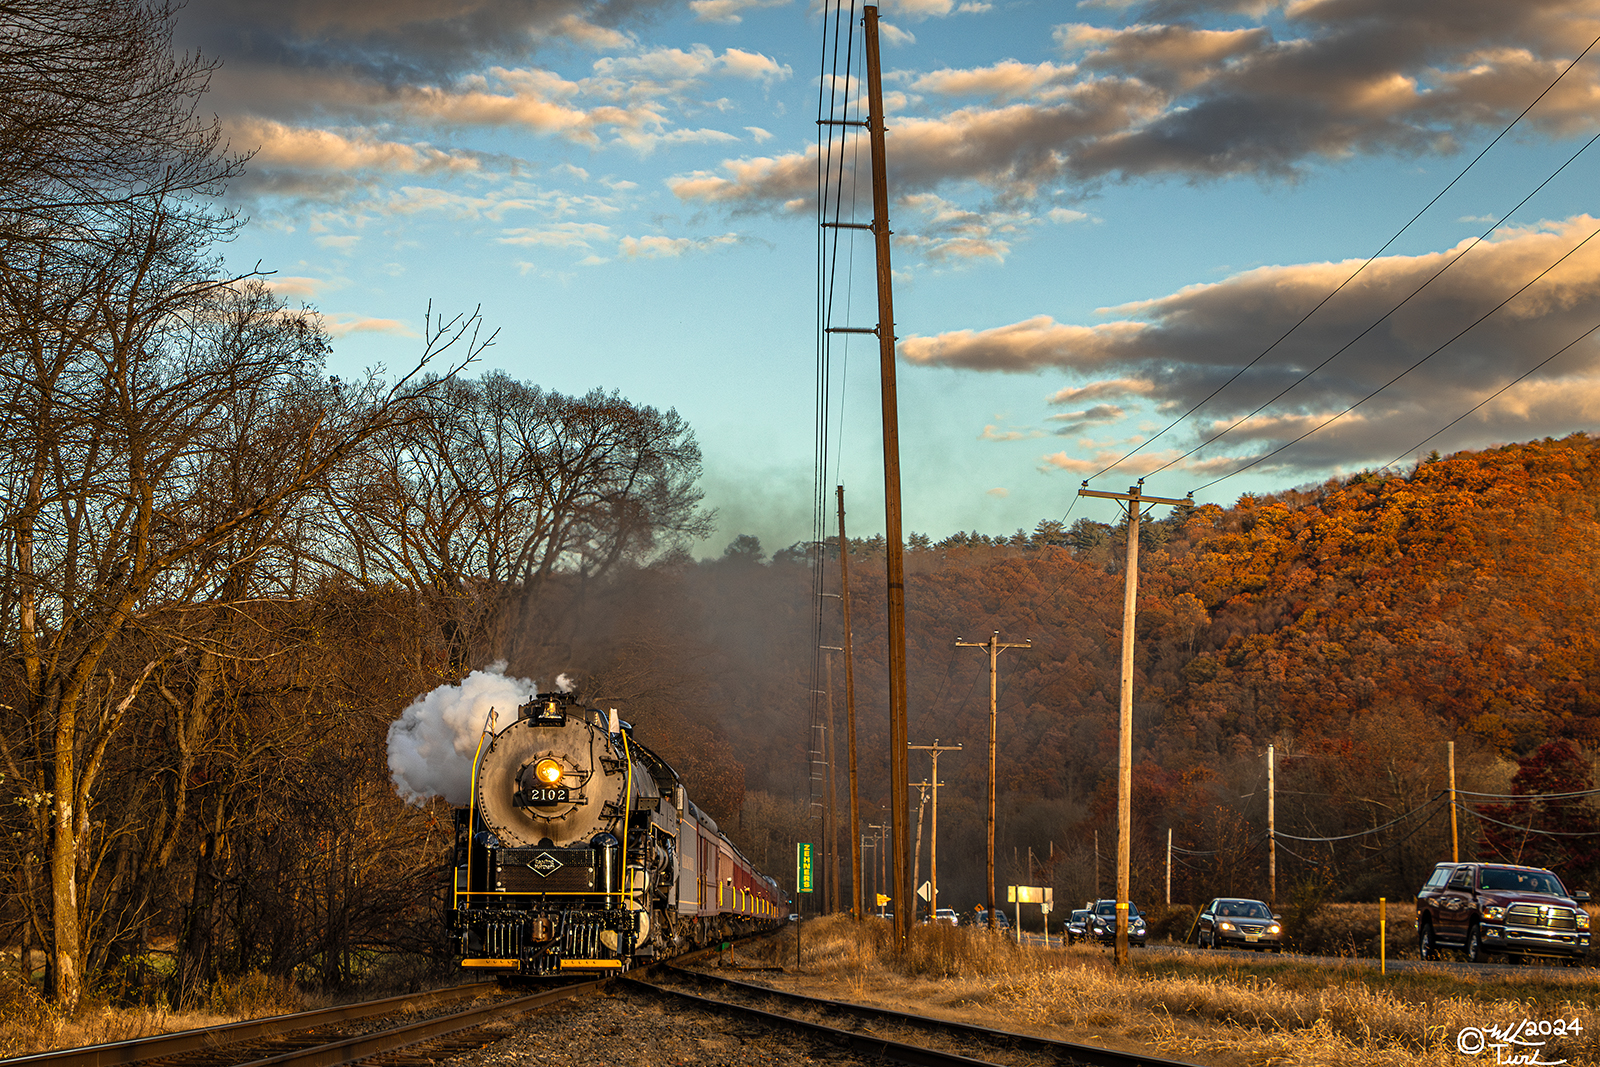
(1485, 908)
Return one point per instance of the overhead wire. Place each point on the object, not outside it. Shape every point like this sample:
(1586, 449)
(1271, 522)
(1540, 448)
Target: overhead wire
(1340, 287)
(1462, 333)
(1385, 316)
(1494, 395)
(828, 119)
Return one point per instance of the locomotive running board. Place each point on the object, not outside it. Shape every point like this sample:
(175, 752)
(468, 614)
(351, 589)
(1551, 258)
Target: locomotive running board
(491, 963)
(574, 965)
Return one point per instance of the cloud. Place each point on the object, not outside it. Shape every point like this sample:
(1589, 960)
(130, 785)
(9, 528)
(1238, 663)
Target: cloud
(895, 37)
(279, 146)
(999, 491)
(728, 10)
(995, 433)
(1157, 99)
(288, 285)
(1173, 351)
(390, 42)
(559, 235)
(344, 323)
(656, 246)
(1079, 421)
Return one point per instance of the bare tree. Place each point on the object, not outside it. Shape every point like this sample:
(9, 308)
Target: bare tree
(503, 485)
(97, 114)
(157, 421)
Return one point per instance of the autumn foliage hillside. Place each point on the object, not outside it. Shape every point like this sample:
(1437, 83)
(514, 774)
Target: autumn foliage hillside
(1358, 627)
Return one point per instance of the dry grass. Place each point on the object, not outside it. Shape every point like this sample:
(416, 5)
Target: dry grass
(1196, 1006)
(29, 1023)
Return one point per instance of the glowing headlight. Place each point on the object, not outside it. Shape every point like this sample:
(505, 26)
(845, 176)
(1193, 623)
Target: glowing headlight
(1225, 926)
(548, 771)
(1274, 928)
(1583, 920)
(1494, 913)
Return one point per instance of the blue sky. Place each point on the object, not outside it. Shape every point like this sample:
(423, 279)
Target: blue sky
(1102, 210)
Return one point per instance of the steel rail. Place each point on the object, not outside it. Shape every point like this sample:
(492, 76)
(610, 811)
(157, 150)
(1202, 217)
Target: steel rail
(895, 1051)
(355, 1049)
(161, 1045)
(1064, 1051)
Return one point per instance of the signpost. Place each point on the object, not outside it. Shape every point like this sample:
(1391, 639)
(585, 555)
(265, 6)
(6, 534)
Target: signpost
(1043, 896)
(804, 875)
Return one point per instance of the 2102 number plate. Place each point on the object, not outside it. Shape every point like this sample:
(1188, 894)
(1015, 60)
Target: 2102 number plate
(544, 798)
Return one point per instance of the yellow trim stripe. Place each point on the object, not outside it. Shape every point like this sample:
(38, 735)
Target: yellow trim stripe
(574, 965)
(491, 963)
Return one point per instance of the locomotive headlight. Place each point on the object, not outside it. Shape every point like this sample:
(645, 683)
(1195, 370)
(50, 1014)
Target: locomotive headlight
(548, 771)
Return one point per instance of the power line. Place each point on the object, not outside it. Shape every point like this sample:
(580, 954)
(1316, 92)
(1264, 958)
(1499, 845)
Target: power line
(1383, 318)
(1368, 262)
(1485, 401)
(1462, 333)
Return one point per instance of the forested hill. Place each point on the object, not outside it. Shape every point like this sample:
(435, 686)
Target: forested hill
(1358, 627)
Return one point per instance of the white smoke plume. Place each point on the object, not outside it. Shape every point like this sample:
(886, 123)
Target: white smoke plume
(565, 683)
(432, 743)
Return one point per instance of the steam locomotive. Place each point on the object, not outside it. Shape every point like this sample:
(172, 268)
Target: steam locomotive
(580, 850)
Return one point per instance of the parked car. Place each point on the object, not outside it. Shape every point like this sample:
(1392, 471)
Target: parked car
(1238, 921)
(1102, 925)
(1484, 908)
(946, 917)
(1076, 924)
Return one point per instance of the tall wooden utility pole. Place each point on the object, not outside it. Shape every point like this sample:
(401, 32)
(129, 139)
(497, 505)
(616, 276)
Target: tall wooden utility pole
(1272, 831)
(856, 911)
(830, 813)
(994, 645)
(933, 842)
(1135, 500)
(899, 768)
(1455, 842)
(916, 848)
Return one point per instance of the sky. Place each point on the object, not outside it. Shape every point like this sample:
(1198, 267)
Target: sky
(1103, 212)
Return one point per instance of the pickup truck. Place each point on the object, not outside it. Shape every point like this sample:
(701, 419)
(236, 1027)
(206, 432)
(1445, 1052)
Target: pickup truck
(1498, 908)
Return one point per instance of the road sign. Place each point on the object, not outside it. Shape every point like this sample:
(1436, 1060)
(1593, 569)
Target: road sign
(925, 891)
(802, 867)
(883, 901)
(1029, 894)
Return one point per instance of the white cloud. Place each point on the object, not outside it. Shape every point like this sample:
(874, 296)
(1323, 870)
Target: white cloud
(656, 246)
(728, 10)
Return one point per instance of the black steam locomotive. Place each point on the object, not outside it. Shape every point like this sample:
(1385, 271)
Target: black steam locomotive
(580, 850)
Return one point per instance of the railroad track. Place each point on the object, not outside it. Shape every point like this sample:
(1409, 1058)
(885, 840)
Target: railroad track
(860, 1027)
(302, 1039)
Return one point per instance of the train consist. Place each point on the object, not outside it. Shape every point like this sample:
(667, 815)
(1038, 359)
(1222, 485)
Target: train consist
(580, 850)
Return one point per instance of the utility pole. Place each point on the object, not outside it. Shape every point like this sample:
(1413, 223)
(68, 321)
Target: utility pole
(994, 645)
(933, 841)
(831, 819)
(1272, 831)
(899, 770)
(850, 718)
(916, 851)
(880, 879)
(1169, 866)
(1455, 841)
(1135, 501)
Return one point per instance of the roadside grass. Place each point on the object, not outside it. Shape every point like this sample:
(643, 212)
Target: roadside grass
(30, 1023)
(1198, 1006)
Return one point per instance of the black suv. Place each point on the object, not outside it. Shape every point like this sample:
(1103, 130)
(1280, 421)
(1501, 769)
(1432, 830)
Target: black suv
(1485, 908)
(1102, 924)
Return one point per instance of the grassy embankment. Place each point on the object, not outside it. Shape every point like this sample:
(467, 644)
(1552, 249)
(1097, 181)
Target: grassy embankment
(1203, 1007)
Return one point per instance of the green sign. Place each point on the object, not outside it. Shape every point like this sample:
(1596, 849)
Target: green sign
(802, 868)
